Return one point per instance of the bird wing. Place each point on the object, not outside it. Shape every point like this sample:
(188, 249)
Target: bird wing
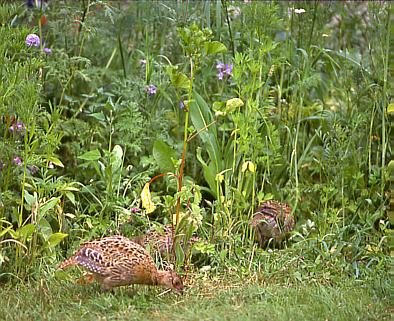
(93, 259)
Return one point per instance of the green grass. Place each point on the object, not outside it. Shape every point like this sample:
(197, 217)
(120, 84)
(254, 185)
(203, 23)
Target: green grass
(205, 299)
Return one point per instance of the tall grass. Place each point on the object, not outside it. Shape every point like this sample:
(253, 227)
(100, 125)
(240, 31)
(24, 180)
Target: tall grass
(300, 118)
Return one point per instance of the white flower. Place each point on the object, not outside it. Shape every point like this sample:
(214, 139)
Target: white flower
(235, 11)
(299, 11)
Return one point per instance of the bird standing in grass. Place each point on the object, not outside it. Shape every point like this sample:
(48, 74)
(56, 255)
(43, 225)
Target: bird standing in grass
(160, 243)
(273, 220)
(116, 260)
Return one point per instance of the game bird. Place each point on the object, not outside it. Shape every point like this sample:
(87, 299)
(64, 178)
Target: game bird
(160, 243)
(116, 261)
(272, 221)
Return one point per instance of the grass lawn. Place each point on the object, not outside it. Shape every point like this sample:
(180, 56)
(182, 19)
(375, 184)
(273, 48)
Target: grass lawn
(205, 299)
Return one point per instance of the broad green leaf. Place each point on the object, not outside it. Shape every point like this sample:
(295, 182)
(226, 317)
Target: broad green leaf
(180, 255)
(71, 197)
(45, 229)
(202, 118)
(55, 239)
(49, 205)
(55, 161)
(163, 155)
(214, 47)
(26, 231)
(30, 199)
(208, 172)
(178, 79)
(91, 155)
(116, 158)
(391, 166)
(218, 107)
(99, 116)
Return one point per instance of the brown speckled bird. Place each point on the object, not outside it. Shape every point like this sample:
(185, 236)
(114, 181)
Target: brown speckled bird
(272, 220)
(160, 243)
(116, 261)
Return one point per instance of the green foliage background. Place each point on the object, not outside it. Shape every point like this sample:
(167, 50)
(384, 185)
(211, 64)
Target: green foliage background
(309, 126)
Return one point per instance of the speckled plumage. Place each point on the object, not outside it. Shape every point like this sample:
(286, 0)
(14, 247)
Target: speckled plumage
(272, 220)
(159, 243)
(116, 261)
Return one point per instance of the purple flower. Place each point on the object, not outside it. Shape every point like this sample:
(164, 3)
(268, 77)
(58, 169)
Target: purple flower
(134, 209)
(32, 40)
(48, 51)
(181, 105)
(228, 69)
(17, 161)
(18, 127)
(143, 62)
(220, 65)
(224, 69)
(30, 3)
(151, 90)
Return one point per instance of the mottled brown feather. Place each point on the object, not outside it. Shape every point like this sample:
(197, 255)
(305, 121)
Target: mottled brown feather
(116, 261)
(160, 243)
(272, 220)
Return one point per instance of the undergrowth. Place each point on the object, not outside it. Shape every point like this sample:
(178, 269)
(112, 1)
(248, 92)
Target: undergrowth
(126, 117)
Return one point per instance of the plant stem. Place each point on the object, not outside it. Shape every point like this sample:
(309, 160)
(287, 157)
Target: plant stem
(384, 100)
(185, 142)
(85, 14)
(224, 3)
(122, 56)
(313, 25)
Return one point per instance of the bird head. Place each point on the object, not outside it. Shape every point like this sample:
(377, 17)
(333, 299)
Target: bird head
(259, 218)
(171, 280)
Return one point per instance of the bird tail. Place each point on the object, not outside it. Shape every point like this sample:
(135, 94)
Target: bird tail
(67, 263)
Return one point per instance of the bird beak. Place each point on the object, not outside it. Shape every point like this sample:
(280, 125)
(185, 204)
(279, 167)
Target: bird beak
(180, 291)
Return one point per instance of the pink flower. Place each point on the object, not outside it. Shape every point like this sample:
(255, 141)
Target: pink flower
(18, 127)
(17, 161)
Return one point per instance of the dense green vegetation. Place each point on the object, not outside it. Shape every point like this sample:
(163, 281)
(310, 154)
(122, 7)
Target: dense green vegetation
(119, 117)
